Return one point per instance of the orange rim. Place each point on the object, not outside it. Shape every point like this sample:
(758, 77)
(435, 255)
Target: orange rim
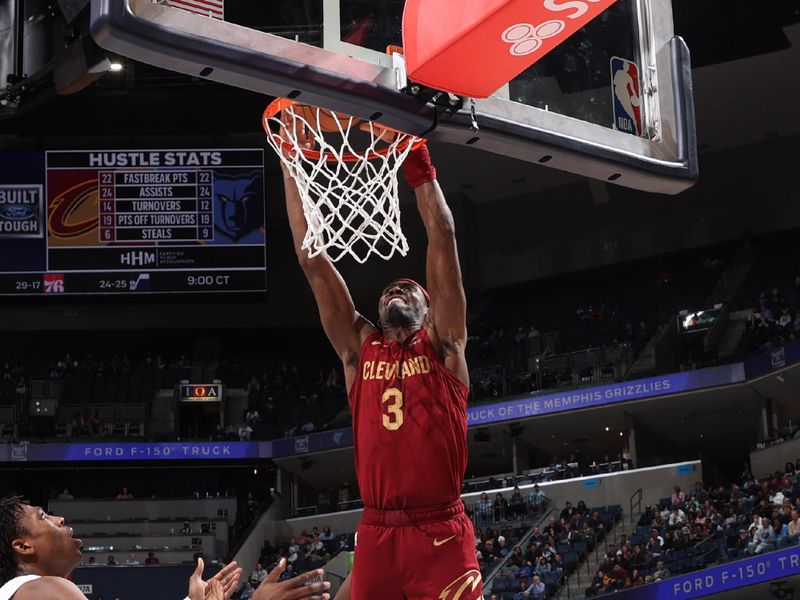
(280, 104)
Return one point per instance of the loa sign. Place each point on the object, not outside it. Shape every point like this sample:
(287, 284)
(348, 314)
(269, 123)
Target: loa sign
(201, 392)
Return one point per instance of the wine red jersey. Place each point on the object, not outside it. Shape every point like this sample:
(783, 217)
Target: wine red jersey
(409, 424)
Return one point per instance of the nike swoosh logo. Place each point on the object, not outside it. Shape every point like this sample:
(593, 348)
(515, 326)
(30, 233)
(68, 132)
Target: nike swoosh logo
(376, 343)
(438, 543)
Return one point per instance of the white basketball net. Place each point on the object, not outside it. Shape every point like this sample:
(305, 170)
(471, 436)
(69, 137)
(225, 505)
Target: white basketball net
(351, 207)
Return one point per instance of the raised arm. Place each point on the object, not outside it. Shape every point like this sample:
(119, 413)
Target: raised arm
(345, 328)
(448, 311)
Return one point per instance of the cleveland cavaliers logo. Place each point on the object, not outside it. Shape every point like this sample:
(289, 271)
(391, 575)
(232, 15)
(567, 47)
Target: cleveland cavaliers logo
(74, 213)
(463, 587)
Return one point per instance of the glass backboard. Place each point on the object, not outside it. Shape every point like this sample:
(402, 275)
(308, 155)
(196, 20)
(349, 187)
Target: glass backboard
(614, 102)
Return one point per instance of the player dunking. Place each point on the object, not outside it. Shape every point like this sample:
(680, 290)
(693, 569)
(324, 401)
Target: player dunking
(407, 387)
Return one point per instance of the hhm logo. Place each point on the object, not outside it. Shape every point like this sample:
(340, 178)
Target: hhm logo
(53, 283)
(138, 258)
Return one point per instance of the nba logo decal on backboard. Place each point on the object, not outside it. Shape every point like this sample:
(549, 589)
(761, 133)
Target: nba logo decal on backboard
(627, 96)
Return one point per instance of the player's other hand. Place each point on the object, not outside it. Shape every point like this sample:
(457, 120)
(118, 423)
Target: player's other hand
(292, 589)
(294, 126)
(219, 587)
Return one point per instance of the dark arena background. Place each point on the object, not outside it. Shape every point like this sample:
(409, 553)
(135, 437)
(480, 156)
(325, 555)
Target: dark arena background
(634, 360)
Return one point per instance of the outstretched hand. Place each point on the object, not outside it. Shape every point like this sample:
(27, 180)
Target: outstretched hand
(295, 124)
(219, 587)
(296, 588)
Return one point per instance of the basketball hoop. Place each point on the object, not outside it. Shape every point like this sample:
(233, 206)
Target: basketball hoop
(350, 196)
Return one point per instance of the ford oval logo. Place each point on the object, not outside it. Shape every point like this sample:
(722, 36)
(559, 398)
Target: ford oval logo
(16, 213)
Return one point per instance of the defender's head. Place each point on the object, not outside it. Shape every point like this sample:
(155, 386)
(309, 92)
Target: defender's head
(403, 303)
(34, 542)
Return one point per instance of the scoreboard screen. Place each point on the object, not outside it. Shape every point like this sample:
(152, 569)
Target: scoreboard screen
(132, 222)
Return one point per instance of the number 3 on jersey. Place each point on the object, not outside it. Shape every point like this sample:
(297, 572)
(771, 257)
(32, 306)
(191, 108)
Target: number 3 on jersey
(392, 409)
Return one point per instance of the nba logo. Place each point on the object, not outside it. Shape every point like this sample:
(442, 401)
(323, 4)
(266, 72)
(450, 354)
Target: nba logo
(53, 283)
(626, 95)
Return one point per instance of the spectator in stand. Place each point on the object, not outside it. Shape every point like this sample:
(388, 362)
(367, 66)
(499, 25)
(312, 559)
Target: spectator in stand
(698, 493)
(660, 573)
(677, 516)
(499, 507)
(785, 320)
(245, 432)
(517, 504)
(536, 591)
(794, 528)
(292, 554)
(317, 550)
(252, 418)
(288, 573)
(344, 495)
(599, 583)
(634, 580)
(619, 574)
(65, 495)
(515, 559)
(755, 526)
(781, 532)
(568, 511)
(502, 547)
(151, 559)
(187, 528)
(520, 594)
(124, 494)
(111, 562)
(764, 539)
(483, 510)
(557, 565)
(326, 535)
(678, 496)
(739, 547)
(247, 591)
(257, 576)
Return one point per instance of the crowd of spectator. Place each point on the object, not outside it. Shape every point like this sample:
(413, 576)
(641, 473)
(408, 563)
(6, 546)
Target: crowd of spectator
(613, 309)
(776, 317)
(691, 530)
(306, 551)
(290, 401)
(537, 568)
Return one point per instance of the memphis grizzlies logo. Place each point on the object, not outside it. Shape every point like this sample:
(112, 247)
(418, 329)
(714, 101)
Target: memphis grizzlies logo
(238, 207)
(626, 96)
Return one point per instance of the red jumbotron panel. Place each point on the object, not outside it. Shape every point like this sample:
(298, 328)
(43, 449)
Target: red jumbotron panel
(474, 47)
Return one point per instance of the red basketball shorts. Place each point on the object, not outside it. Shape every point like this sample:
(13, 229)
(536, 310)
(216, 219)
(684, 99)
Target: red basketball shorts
(423, 554)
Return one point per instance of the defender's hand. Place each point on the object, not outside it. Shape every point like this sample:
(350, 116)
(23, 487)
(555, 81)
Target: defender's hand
(292, 589)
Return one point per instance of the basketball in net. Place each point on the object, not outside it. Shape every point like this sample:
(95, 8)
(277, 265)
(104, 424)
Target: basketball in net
(346, 175)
